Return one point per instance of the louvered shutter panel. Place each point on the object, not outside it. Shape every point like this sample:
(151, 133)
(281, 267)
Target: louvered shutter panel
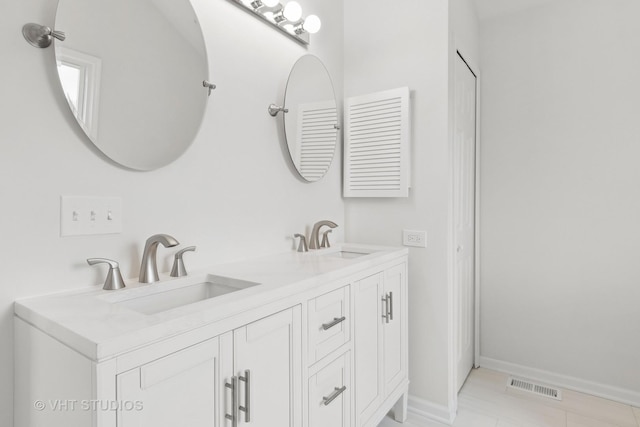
(376, 151)
(317, 130)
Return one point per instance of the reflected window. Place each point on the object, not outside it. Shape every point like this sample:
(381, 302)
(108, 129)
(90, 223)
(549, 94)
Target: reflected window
(80, 77)
(70, 77)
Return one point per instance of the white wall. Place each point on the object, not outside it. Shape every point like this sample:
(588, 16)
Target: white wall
(233, 194)
(560, 200)
(411, 47)
(465, 32)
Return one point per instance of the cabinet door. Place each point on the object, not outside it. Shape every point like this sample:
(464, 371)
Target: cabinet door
(268, 353)
(368, 311)
(395, 328)
(330, 395)
(180, 389)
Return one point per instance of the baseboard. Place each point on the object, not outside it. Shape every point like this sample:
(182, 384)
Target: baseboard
(628, 397)
(427, 410)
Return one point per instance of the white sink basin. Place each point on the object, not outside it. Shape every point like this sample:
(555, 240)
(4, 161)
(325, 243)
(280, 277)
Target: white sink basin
(346, 254)
(211, 287)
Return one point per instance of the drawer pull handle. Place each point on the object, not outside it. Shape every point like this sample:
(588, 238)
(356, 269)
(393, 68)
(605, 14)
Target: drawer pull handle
(385, 316)
(333, 323)
(388, 307)
(233, 386)
(337, 392)
(247, 396)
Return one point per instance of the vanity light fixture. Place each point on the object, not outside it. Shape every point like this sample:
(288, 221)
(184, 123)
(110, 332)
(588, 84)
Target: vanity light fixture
(270, 3)
(286, 18)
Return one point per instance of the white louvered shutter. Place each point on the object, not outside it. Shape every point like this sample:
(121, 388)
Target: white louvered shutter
(317, 128)
(376, 150)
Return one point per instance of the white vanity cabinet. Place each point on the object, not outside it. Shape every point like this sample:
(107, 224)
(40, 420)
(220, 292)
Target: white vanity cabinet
(329, 322)
(179, 389)
(381, 345)
(394, 328)
(249, 375)
(320, 343)
(330, 388)
(267, 365)
(330, 394)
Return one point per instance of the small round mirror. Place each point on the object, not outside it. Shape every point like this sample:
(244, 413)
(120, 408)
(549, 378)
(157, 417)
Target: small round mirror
(310, 121)
(132, 73)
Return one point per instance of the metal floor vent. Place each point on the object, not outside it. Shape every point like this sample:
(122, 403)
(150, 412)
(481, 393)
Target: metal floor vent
(534, 388)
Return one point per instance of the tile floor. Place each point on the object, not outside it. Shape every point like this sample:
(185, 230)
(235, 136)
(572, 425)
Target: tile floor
(485, 401)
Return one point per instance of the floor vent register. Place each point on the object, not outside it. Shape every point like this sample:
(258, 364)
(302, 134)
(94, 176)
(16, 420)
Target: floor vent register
(531, 387)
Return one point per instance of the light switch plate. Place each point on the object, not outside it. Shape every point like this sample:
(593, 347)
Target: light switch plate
(89, 215)
(414, 238)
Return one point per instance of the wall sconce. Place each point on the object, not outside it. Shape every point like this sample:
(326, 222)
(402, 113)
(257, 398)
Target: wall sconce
(286, 18)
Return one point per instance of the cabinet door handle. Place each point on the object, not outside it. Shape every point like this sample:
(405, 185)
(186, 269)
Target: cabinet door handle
(390, 305)
(233, 386)
(333, 323)
(247, 396)
(337, 392)
(385, 316)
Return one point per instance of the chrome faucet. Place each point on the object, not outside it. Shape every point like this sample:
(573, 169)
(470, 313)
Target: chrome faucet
(149, 268)
(314, 240)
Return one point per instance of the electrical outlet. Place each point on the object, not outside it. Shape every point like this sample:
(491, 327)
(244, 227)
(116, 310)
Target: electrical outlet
(414, 238)
(82, 216)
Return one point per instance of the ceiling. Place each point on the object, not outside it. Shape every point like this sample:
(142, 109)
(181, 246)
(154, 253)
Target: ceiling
(490, 8)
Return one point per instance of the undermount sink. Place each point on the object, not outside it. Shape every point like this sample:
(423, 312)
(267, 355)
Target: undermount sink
(346, 254)
(211, 287)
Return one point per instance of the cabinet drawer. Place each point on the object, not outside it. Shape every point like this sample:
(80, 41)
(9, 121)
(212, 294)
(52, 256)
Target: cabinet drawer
(329, 320)
(330, 395)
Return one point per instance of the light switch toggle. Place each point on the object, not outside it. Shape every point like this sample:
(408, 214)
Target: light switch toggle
(90, 215)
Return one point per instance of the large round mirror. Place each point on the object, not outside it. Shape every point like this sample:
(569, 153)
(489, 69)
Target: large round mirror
(132, 73)
(310, 121)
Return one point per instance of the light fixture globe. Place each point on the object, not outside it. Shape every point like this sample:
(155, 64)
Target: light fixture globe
(312, 24)
(270, 3)
(292, 11)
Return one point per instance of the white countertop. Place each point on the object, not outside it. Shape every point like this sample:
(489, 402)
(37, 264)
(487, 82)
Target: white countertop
(91, 322)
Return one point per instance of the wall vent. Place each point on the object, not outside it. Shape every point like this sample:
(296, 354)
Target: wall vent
(376, 149)
(531, 387)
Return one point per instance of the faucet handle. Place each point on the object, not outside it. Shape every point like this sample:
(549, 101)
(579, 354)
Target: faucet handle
(302, 247)
(114, 278)
(178, 269)
(325, 239)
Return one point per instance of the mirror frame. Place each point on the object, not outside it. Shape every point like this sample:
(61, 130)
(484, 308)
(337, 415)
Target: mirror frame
(147, 119)
(329, 120)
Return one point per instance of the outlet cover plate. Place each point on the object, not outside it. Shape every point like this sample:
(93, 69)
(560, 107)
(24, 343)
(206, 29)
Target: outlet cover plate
(415, 238)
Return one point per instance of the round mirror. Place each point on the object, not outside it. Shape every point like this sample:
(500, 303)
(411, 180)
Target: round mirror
(310, 120)
(132, 73)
